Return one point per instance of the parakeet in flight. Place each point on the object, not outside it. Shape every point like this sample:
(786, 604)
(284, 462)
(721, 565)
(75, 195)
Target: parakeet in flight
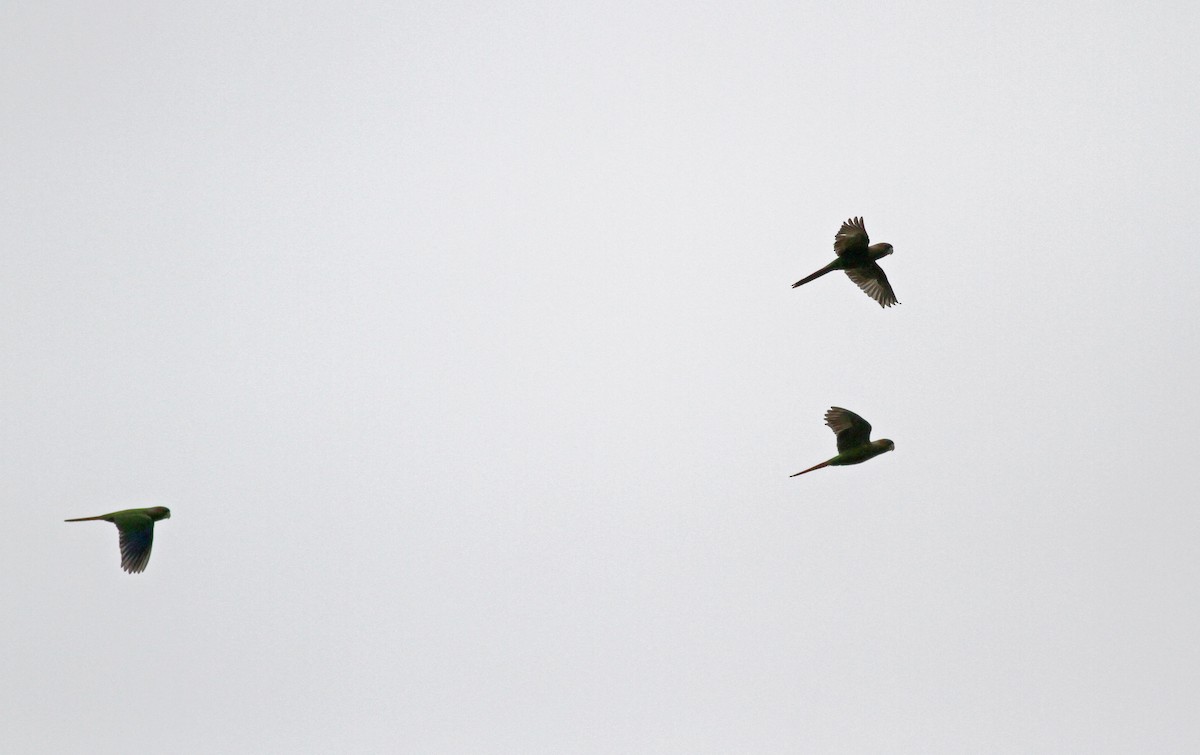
(859, 261)
(137, 533)
(853, 439)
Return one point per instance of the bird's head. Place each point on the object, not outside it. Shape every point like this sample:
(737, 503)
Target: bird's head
(159, 512)
(878, 251)
(885, 444)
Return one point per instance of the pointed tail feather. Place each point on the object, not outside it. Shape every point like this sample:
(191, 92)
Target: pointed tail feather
(85, 519)
(827, 269)
(822, 464)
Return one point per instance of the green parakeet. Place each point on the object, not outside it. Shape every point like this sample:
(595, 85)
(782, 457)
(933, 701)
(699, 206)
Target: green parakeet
(853, 439)
(137, 533)
(859, 261)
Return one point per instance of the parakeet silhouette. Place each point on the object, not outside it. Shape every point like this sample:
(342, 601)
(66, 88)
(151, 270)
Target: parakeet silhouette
(860, 262)
(136, 527)
(853, 440)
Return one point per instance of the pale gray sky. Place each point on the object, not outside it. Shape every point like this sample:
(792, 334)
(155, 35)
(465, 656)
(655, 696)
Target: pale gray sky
(459, 339)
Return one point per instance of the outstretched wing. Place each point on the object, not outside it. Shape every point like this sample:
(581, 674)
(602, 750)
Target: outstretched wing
(852, 430)
(852, 239)
(137, 535)
(872, 280)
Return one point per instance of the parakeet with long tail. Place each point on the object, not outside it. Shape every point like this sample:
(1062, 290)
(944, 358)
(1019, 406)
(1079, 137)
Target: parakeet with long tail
(860, 262)
(136, 527)
(853, 440)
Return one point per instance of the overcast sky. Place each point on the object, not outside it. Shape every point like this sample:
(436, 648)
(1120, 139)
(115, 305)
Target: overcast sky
(459, 339)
